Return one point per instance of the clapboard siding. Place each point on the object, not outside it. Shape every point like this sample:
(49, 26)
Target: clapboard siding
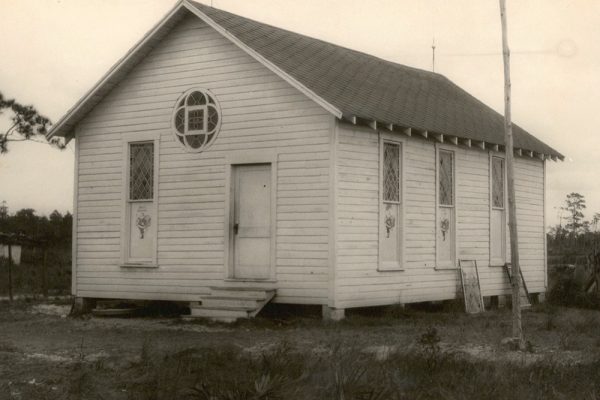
(529, 188)
(260, 111)
(359, 283)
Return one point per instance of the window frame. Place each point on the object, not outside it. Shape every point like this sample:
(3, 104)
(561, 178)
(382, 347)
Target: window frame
(492, 157)
(453, 176)
(127, 140)
(453, 264)
(128, 194)
(205, 120)
(401, 143)
(246, 157)
(187, 111)
(496, 262)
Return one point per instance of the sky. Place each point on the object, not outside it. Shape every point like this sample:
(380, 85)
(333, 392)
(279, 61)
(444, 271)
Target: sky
(53, 51)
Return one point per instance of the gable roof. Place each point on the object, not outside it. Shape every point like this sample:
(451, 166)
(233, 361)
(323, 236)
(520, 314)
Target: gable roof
(350, 84)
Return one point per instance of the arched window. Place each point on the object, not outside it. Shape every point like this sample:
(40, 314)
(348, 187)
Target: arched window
(196, 120)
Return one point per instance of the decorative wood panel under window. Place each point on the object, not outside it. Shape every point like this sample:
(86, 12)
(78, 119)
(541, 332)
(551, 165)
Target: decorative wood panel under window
(141, 171)
(497, 182)
(390, 232)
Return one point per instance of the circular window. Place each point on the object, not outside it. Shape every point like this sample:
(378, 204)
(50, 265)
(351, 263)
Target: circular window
(196, 119)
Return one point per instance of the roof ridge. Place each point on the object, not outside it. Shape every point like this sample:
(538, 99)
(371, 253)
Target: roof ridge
(357, 82)
(344, 81)
(358, 52)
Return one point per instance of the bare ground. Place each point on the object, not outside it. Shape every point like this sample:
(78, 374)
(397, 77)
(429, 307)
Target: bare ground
(42, 351)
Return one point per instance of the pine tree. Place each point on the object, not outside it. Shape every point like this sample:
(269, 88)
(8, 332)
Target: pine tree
(26, 123)
(574, 206)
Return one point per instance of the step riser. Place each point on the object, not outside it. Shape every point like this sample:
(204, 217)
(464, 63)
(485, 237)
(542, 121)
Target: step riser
(211, 313)
(227, 320)
(228, 304)
(258, 295)
(208, 302)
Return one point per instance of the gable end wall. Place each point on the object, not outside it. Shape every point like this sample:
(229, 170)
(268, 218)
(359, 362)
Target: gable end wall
(260, 113)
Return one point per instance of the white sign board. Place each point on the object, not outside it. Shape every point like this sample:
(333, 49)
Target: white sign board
(15, 251)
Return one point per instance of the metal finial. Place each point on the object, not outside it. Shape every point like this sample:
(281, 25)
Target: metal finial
(433, 55)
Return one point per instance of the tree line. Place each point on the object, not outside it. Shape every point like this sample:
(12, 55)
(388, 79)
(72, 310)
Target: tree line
(574, 233)
(54, 230)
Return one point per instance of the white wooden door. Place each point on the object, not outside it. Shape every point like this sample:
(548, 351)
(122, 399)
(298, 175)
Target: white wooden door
(252, 222)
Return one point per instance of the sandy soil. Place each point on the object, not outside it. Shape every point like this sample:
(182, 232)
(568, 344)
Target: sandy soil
(40, 347)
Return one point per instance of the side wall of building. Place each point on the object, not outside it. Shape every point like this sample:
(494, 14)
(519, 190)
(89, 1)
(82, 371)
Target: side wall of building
(359, 283)
(261, 113)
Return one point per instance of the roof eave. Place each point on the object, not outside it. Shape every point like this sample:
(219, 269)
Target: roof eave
(456, 140)
(64, 127)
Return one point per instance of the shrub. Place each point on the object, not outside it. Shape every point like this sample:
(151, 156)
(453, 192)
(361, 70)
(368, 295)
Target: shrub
(430, 345)
(567, 292)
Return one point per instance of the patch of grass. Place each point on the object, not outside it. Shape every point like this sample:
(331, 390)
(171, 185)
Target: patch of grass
(78, 384)
(588, 323)
(8, 348)
(430, 345)
(339, 372)
(550, 314)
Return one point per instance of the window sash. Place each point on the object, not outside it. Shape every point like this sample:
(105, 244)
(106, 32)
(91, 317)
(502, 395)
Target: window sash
(191, 109)
(391, 213)
(498, 189)
(446, 179)
(446, 243)
(392, 174)
(141, 172)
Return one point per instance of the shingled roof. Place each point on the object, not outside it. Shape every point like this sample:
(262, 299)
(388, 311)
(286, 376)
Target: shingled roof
(367, 88)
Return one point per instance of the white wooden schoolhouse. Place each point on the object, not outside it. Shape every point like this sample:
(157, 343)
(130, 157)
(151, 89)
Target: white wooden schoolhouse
(225, 162)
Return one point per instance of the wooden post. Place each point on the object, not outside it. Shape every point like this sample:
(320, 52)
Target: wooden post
(517, 330)
(45, 273)
(10, 291)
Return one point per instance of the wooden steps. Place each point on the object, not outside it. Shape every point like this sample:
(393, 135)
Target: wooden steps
(227, 304)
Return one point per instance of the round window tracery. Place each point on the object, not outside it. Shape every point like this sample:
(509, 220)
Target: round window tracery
(196, 120)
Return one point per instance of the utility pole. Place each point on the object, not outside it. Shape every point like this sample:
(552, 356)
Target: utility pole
(517, 329)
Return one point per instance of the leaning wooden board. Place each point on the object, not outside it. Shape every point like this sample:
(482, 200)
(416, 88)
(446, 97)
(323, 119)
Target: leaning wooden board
(469, 276)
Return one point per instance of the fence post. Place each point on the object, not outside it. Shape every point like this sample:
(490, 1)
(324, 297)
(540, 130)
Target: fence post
(45, 273)
(10, 291)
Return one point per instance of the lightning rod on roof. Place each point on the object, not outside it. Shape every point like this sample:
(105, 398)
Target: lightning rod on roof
(433, 55)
